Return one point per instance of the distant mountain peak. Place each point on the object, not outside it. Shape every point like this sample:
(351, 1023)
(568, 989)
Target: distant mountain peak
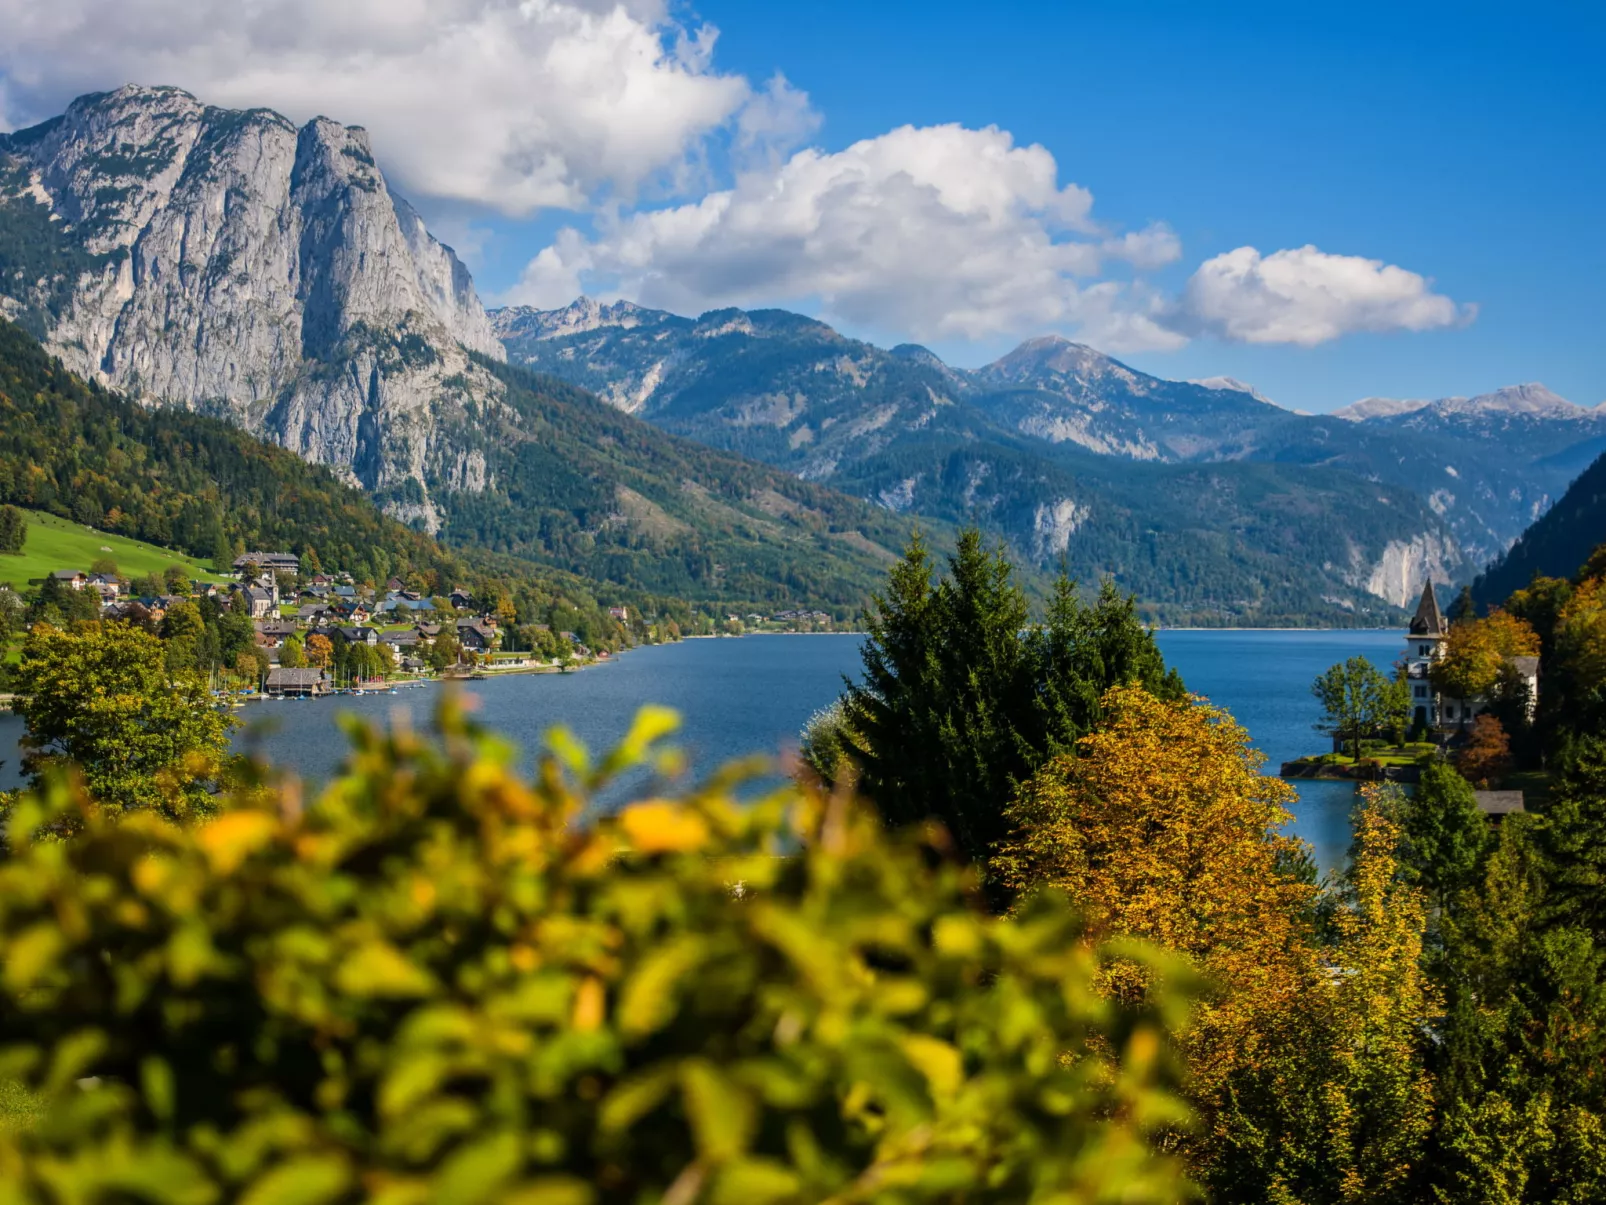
(1531, 400)
(916, 354)
(579, 316)
(1380, 407)
(1054, 355)
(1232, 385)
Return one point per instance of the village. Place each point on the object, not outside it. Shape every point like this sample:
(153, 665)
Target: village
(322, 633)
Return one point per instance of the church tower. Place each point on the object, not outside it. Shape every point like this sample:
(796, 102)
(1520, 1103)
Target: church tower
(1424, 644)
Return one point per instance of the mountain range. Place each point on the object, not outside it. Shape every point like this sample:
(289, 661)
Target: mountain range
(1058, 428)
(240, 265)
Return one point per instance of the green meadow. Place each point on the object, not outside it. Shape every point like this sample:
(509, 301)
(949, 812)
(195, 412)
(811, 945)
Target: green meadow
(57, 543)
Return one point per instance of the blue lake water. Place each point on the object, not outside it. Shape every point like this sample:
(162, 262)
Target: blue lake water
(753, 695)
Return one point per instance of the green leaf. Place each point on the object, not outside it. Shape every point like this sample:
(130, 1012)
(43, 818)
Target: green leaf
(649, 997)
(755, 1182)
(722, 1114)
(32, 953)
(634, 1098)
(306, 1180)
(551, 1190)
(477, 1172)
(156, 1078)
(379, 969)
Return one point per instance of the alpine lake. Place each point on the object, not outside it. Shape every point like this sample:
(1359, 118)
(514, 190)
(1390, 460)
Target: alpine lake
(752, 695)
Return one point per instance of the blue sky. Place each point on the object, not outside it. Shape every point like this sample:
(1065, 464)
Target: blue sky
(1466, 144)
(1458, 147)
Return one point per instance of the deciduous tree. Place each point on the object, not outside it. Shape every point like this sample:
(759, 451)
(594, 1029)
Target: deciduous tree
(1357, 700)
(1486, 757)
(1161, 826)
(101, 699)
(320, 651)
(1476, 651)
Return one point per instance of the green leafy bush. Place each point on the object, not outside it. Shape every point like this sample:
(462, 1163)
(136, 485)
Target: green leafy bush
(436, 983)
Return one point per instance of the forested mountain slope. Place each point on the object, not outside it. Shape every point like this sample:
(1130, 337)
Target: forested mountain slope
(1555, 546)
(231, 263)
(795, 392)
(1231, 543)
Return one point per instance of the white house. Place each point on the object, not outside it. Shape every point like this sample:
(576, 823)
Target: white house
(1424, 645)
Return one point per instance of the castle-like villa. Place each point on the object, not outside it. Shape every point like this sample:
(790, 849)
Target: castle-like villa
(1424, 645)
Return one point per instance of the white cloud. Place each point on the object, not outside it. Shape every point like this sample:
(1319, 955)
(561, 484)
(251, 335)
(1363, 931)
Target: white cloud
(938, 232)
(1306, 296)
(521, 104)
(776, 120)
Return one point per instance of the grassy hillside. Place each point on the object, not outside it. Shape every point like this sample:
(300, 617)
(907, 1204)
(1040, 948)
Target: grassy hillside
(57, 543)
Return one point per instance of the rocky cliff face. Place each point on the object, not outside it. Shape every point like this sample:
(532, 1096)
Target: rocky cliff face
(232, 262)
(1405, 566)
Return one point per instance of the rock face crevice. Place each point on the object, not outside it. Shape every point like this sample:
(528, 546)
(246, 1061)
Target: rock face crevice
(230, 261)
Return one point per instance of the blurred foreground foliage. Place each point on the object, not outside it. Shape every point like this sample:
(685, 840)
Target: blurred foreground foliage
(441, 982)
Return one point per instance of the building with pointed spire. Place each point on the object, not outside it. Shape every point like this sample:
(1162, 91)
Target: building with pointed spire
(1425, 643)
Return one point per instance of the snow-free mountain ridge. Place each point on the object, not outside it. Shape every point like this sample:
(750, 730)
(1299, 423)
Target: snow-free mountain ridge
(793, 391)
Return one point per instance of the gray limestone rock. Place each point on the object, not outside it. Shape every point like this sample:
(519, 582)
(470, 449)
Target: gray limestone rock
(228, 261)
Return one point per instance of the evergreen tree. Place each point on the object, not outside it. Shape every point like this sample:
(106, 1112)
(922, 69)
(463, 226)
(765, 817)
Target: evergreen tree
(58, 604)
(1574, 838)
(1464, 607)
(961, 702)
(13, 529)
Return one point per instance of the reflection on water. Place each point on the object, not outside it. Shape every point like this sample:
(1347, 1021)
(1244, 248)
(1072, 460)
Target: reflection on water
(739, 697)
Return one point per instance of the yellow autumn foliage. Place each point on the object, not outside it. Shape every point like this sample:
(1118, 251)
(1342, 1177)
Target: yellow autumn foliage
(1581, 632)
(1163, 828)
(1475, 651)
(440, 981)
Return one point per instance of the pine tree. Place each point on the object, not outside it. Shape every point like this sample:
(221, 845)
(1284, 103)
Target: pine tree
(1574, 839)
(961, 702)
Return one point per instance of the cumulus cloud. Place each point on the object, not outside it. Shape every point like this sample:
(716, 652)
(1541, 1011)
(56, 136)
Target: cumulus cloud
(937, 232)
(1306, 296)
(521, 104)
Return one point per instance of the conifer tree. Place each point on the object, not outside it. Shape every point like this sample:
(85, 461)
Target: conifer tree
(13, 529)
(961, 701)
